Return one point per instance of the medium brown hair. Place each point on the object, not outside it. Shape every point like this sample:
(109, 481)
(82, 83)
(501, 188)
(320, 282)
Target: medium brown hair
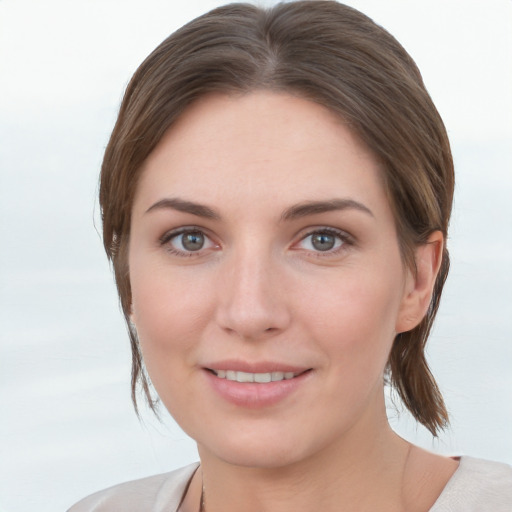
(330, 54)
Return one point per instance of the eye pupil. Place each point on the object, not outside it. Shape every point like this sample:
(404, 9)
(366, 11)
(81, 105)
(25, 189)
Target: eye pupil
(192, 241)
(323, 241)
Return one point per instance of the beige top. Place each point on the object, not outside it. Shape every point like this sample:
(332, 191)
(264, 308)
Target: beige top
(477, 486)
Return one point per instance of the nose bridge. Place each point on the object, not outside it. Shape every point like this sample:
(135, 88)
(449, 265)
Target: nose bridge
(251, 302)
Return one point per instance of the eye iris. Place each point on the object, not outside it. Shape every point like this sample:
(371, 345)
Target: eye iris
(323, 241)
(192, 241)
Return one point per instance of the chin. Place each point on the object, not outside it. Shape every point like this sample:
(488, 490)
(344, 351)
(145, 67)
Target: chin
(257, 457)
(260, 447)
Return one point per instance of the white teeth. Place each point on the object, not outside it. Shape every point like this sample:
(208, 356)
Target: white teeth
(262, 377)
(244, 377)
(254, 377)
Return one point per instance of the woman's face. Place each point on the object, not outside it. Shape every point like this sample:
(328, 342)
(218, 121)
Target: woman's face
(263, 248)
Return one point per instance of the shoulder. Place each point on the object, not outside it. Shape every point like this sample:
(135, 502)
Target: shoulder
(477, 486)
(155, 493)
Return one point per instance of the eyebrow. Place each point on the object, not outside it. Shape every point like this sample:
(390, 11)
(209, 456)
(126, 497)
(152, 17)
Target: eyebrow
(181, 205)
(294, 212)
(315, 207)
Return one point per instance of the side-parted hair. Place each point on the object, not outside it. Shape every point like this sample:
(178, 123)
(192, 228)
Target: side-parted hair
(330, 54)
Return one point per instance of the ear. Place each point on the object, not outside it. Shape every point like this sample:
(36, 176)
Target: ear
(419, 286)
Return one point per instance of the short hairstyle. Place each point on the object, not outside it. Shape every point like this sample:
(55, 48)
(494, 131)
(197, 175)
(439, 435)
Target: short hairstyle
(330, 54)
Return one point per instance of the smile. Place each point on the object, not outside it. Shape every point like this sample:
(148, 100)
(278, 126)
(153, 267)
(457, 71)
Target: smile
(257, 388)
(261, 378)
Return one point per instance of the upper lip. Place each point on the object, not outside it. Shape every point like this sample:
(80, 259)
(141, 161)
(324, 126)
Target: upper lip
(255, 367)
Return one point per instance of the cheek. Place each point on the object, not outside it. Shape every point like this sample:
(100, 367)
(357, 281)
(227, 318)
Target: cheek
(353, 326)
(168, 312)
(168, 320)
(356, 316)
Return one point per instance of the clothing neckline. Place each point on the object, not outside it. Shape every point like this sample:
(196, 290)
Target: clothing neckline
(457, 475)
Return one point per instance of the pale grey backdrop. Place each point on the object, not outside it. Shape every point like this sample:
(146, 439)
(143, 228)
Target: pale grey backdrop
(66, 423)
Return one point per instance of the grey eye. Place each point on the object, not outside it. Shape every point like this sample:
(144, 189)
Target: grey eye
(188, 242)
(323, 241)
(192, 241)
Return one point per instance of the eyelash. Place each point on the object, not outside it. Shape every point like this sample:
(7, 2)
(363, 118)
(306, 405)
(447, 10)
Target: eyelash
(170, 235)
(345, 239)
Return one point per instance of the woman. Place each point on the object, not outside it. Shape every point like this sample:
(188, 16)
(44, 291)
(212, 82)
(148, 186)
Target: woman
(276, 196)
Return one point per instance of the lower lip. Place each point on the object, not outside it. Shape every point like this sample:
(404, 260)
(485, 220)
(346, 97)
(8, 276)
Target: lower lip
(255, 395)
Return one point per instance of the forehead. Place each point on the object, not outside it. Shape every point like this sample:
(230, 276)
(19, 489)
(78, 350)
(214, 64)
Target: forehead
(254, 144)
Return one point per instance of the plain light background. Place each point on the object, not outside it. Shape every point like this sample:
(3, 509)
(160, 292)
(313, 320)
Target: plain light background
(66, 423)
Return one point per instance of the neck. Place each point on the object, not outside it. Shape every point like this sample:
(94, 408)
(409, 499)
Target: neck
(363, 471)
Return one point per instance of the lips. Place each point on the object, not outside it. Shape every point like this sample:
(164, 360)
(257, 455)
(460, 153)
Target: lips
(255, 386)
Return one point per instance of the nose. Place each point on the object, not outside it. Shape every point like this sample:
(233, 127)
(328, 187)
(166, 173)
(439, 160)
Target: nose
(252, 297)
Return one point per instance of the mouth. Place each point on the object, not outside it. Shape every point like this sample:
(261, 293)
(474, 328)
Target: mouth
(258, 388)
(259, 378)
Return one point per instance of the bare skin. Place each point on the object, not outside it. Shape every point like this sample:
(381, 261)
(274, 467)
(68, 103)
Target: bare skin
(412, 484)
(229, 273)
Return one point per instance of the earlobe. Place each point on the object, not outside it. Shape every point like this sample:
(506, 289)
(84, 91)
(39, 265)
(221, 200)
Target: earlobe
(420, 284)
